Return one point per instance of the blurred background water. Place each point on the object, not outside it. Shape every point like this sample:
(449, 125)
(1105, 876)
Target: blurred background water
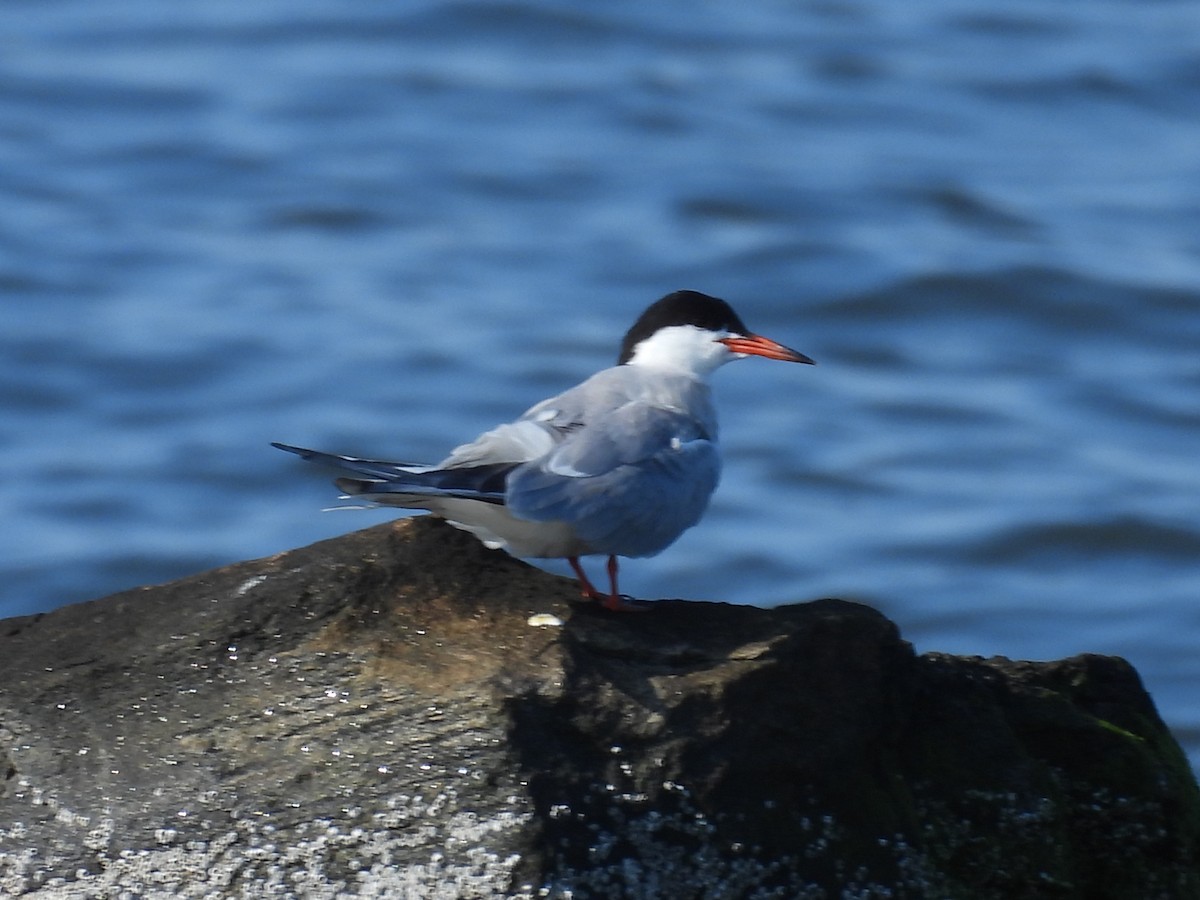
(382, 228)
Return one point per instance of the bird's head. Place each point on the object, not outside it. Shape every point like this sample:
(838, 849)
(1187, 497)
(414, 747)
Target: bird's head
(696, 333)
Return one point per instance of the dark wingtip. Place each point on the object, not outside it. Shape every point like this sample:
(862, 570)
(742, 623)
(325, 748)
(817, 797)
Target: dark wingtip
(299, 451)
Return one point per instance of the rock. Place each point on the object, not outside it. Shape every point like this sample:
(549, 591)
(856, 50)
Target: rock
(401, 713)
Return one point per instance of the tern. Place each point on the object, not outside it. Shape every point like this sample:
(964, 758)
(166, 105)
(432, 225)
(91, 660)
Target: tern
(619, 465)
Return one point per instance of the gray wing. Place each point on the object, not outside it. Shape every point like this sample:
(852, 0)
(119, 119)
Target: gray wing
(474, 471)
(629, 483)
(541, 429)
(628, 462)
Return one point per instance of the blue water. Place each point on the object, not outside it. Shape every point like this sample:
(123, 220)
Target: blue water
(382, 228)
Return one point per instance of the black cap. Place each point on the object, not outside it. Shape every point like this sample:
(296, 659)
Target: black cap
(681, 308)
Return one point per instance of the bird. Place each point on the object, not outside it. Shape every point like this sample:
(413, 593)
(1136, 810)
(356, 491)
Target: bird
(618, 466)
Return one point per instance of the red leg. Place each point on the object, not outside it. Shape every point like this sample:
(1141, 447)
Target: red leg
(612, 600)
(615, 600)
(588, 589)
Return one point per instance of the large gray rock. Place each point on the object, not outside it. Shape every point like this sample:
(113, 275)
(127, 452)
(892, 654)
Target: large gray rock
(401, 713)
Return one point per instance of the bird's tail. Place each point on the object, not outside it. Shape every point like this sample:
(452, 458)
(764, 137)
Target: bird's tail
(408, 484)
(375, 468)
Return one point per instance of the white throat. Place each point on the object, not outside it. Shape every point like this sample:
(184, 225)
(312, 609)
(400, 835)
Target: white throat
(683, 348)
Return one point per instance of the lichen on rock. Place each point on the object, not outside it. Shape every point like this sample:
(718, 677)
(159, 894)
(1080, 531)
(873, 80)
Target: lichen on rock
(401, 713)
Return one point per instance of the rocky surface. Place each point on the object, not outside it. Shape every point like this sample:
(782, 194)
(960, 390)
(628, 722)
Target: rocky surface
(401, 713)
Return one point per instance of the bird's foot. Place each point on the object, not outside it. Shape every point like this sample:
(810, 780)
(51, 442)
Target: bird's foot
(617, 602)
(624, 603)
(614, 600)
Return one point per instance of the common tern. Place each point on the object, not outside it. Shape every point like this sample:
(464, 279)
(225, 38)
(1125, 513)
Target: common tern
(620, 465)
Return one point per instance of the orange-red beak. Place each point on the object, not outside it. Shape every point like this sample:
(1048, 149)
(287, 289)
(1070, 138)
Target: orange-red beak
(757, 345)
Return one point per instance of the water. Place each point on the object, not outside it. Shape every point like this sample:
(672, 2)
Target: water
(380, 229)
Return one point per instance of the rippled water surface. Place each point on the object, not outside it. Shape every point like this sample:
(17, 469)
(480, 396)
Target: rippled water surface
(380, 228)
